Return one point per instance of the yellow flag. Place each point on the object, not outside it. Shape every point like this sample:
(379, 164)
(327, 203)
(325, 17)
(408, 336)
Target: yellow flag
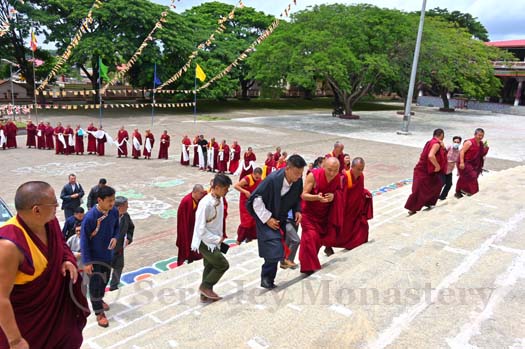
(200, 74)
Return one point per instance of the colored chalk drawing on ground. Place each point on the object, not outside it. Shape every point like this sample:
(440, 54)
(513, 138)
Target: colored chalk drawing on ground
(130, 194)
(169, 183)
(171, 263)
(143, 209)
(61, 169)
(168, 214)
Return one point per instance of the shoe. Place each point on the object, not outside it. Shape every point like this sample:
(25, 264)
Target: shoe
(411, 213)
(329, 251)
(105, 306)
(113, 288)
(307, 273)
(205, 299)
(102, 321)
(284, 265)
(292, 264)
(267, 284)
(209, 294)
(458, 195)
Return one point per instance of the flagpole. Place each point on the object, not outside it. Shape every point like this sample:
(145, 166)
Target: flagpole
(195, 101)
(34, 83)
(99, 93)
(153, 100)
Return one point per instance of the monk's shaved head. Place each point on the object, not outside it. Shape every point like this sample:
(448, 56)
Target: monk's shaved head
(331, 162)
(30, 194)
(197, 188)
(357, 161)
(331, 167)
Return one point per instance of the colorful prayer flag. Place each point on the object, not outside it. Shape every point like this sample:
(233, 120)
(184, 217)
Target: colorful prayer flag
(103, 70)
(199, 73)
(33, 41)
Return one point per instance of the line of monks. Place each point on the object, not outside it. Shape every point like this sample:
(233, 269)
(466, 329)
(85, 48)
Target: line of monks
(336, 208)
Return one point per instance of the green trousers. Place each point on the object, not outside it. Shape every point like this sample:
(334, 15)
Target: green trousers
(215, 265)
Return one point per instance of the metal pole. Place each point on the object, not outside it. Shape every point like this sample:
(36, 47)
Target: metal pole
(153, 99)
(12, 90)
(99, 94)
(34, 86)
(195, 101)
(408, 105)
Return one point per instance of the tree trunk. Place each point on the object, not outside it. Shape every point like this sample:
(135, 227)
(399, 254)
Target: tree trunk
(245, 86)
(348, 105)
(444, 97)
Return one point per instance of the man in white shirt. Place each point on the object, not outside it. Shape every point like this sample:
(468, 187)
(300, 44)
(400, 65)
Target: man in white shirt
(208, 236)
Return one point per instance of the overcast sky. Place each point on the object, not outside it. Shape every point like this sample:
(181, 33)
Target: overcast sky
(504, 19)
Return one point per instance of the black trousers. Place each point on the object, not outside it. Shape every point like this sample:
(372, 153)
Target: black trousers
(447, 180)
(68, 212)
(97, 286)
(269, 270)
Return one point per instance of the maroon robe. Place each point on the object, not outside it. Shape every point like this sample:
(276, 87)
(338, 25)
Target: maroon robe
(49, 310)
(236, 156)
(185, 225)
(146, 153)
(50, 131)
(2, 127)
(41, 140)
(164, 145)
(79, 142)
(215, 147)
(92, 140)
(31, 135)
(134, 151)
(196, 152)
(276, 156)
(69, 149)
(101, 145)
(10, 131)
(222, 165)
(474, 161)
(270, 165)
(59, 145)
(122, 136)
(246, 229)
(247, 160)
(315, 221)
(427, 184)
(187, 142)
(351, 210)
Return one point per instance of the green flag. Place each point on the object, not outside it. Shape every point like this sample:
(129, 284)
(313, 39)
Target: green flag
(103, 70)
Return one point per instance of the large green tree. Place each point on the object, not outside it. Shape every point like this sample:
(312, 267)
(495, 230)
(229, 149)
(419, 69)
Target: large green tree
(463, 20)
(353, 48)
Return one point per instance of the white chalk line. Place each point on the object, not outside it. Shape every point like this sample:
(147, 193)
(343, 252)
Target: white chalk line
(402, 322)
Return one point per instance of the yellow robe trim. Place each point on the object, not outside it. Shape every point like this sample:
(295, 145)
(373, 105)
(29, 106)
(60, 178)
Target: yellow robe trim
(39, 260)
(349, 179)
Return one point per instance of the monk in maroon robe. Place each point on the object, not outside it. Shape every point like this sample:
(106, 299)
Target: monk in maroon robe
(248, 157)
(186, 223)
(79, 141)
(427, 182)
(10, 133)
(277, 154)
(3, 140)
(246, 186)
(269, 165)
(148, 139)
(213, 148)
(223, 156)
(164, 145)
(101, 144)
(49, 133)
(31, 134)
(351, 210)
(318, 193)
(92, 140)
(41, 301)
(195, 151)
(338, 152)
(69, 136)
(136, 144)
(122, 139)
(60, 147)
(235, 157)
(186, 141)
(471, 161)
(41, 136)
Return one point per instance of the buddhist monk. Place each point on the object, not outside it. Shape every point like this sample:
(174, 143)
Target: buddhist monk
(427, 183)
(10, 133)
(235, 156)
(195, 151)
(31, 134)
(122, 139)
(277, 154)
(352, 210)
(149, 140)
(3, 139)
(318, 194)
(41, 135)
(69, 135)
(269, 165)
(281, 162)
(60, 141)
(338, 152)
(213, 148)
(92, 141)
(246, 186)
(164, 145)
(136, 145)
(49, 133)
(79, 140)
(101, 143)
(471, 160)
(223, 156)
(185, 155)
(248, 162)
(186, 223)
(41, 301)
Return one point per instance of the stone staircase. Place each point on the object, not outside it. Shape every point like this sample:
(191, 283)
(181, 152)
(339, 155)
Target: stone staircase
(453, 276)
